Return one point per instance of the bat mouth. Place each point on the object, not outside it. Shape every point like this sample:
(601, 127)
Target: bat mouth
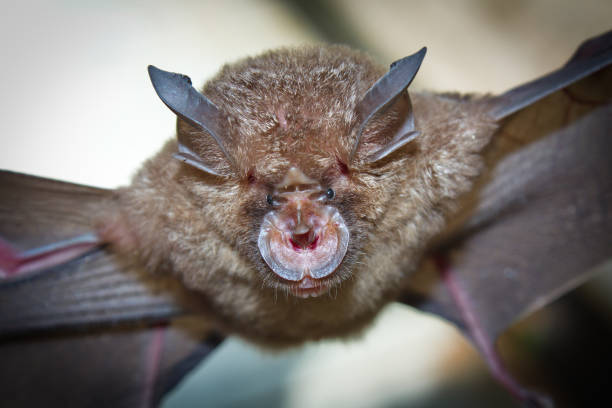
(304, 255)
(309, 287)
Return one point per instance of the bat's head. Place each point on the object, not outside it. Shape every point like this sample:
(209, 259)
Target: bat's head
(299, 135)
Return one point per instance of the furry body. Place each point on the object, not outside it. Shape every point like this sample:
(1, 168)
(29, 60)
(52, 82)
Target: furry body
(296, 108)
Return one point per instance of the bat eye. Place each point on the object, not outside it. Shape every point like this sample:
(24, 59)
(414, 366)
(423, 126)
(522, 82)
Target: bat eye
(330, 194)
(269, 199)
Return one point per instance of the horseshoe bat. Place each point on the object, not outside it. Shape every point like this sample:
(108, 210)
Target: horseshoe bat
(307, 189)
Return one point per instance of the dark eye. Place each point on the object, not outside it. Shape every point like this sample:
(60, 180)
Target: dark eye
(269, 199)
(330, 194)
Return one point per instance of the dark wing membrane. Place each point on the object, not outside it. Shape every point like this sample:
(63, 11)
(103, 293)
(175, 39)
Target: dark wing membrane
(35, 211)
(591, 56)
(94, 289)
(541, 218)
(116, 367)
(81, 333)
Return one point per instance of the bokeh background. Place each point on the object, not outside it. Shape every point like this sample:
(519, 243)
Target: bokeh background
(76, 104)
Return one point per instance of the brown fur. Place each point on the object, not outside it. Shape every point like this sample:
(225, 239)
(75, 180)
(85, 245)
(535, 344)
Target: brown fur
(295, 107)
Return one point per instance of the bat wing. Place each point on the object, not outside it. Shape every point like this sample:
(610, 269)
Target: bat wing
(134, 349)
(540, 220)
(110, 367)
(592, 55)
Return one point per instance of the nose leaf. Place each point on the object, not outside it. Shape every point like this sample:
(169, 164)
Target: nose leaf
(308, 249)
(303, 238)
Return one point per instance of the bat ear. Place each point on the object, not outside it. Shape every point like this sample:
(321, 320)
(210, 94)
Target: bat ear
(386, 92)
(176, 91)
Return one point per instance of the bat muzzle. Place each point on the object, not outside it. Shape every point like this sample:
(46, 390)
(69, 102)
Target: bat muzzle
(303, 241)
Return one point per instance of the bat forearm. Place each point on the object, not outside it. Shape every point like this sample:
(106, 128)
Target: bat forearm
(14, 263)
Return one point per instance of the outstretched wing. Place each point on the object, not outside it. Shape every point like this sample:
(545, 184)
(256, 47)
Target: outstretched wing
(110, 367)
(540, 220)
(135, 347)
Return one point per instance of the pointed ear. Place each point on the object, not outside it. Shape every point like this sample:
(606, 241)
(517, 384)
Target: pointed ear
(386, 92)
(176, 91)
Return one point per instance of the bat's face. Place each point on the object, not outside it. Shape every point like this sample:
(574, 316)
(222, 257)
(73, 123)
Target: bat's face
(302, 182)
(306, 206)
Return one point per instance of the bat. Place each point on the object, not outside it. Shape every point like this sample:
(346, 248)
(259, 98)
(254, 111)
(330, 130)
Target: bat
(305, 190)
